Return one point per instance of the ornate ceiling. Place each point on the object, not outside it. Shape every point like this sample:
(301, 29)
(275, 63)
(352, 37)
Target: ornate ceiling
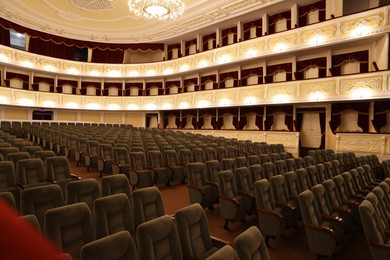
(110, 20)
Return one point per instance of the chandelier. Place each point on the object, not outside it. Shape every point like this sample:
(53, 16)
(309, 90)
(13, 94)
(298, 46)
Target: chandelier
(162, 10)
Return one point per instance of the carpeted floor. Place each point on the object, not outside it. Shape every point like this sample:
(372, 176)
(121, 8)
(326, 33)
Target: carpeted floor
(294, 246)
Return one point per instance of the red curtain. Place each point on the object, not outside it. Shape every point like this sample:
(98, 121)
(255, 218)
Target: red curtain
(129, 85)
(229, 110)
(62, 82)
(303, 65)
(226, 76)
(339, 60)
(171, 48)
(51, 49)
(203, 113)
(169, 113)
(185, 114)
(226, 32)
(206, 79)
(170, 84)
(380, 118)
(188, 82)
(244, 111)
(271, 110)
(107, 56)
(37, 80)
(4, 37)
(25, 78)
(305, 10)
(362, 109)
(85, 84)
(273, 69)
(150, 85)
(205, 40)
(107, 86)
(246, 73)
(273, 19)
(253, 24)
(188, 45)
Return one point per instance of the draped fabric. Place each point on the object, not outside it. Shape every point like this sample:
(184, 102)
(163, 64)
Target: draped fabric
(173, 47)
(273, 69)
(259, 112)
(381, 108)
(23, 77)
(51, 49)
(175, 113)
(225, 35)
(223, 77)
(86, 84)
(107, 56)
(188, 45)
(246, 73)
(253, 24)
(271, 110)
(210, 78)
(339, 60)
(108, 85)
(188, 82)
(129, 85)
(273, 19)
(303, 65)
(62, 82)
(228, 110)
(4, 37)
(322, 113)
(150, 85)
(37, 80)
(185, 114)
(205, 40)
(81, 44)
(305, 10)
(170, 84)
(361, 107)
(203, 113)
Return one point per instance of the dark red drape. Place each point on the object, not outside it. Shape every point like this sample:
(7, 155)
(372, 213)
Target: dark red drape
(169, 113)
(273, 69)
(208, 111)
(361, 107)
(184, 114)
(173, 47)
(107, 56)
(273, 19)
(62, 82)
(258, 110)
(85, 84)
(51, 49)
(170, 84)
(229, 110)
(129, 85)
(339, 60)
(228, 75)
(246, 73)
(380, 110)
(150, 85)
(225, 34)
(188, 82)
(37, 80)
(305, 10)
(205, 40)
(206, 79)
(253, 24)
(188, 45)
(303, 65)
(12, 75)
(4, 37)
(108, 85)
(271, 110)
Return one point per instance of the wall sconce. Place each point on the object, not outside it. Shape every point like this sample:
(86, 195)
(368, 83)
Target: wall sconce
(203, 103)
(27, 64)
(132, 107)
(361, 92)
(224, 102)
(73, 71)
(184, 67)
(168, 71)
(3, 100)
(94, 73)
(151, 73)
(3, 58)
(361, 28)
(224, 59)
(203, 63)
(250, 100)
(150, 106)
(183, 105)
(251, 53)
(114, 73)
(167, 106)
(281, 46)
(133, 73)
(93, 106)
(48, 103)
(317, 96)
(50, 68)
(280, 98)
(72, 105)
(113, 107)
(26, 102)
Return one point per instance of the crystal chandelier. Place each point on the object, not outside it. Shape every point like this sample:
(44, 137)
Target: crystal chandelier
(162, 10)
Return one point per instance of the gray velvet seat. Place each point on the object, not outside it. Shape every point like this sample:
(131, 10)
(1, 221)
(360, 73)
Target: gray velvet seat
(256, 172)
(162, 174)
(140, 175)
(303, 179)
(31, 149)
(147, 205)
(194, 233)
(70, 227)
(86, 190)
(178, 171)
(269, 170)
(38, 200)
(158, 239)
(92, 154)
(105, 158)
(226, 252)
(30, 173)
(59, 172)
(231, 203)
(211, 170)
(117, 246)
(15, 157)
(121, 162)
(114, 184)
(250, 245)
(8, 180)
(246, 189)
(8, 198)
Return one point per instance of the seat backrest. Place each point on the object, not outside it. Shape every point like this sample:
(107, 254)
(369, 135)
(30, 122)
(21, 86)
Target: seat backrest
(212, 169)
(308, 160)
(313, 175)
(106, 152)
(7, 175)
(38, 200)
(269, 170)
(280, 167)
(227, 164)
(58, 168)
(303, 179)
(240, 162)
(113, 214)
(15, 157)
(198, 155)
(116, 246)
(299, 163)
(6, 150)
(43, 155)
(121, 155)
(264, 195)
(86, 190)
(309, 208)
(337, 167)
(155, 159)
(243, 179)
(371, 222)
(158, 239)
(322, 174)
(250, 245)
(185, 156)
(171, 158)
(292, 183)
(193, 229)
(147, 204)
(30, 171)
(137, 160)
(93, 148)
(227, 184)
(349, 183)
(322, 199)
(31, 149)
(279, 188)
(333, 193)
(256, 171)
(196, 174)
(114, 184)
(70, 227)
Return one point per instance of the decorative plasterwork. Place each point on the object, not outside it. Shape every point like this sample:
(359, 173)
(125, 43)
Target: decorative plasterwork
(374, 84)
(320, 34)
(326, 88)
(371, 21)
(362, 144)
(276, 91)
(93, 5)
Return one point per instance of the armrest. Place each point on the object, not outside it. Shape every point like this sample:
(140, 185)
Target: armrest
(217, 242)
(212, 183)
(294, 197)
(285, 205)
(342, 210)
(196, 188)
(334, 219)
(20, 186)
(387, 232)
(380, 245)
(270, 212)
(351, 203)
(230, 199)
(75, 177)
(246, 194)
(326, 230)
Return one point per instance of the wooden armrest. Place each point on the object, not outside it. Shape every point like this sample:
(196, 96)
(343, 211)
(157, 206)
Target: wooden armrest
(196, 188)
(335, 219)
(358, 196)
(350, 202)
(327, 230)
(230, 199)
(380, 245)
(75, 177)
(293, 197)
(285, 205)
(247, 194)
(219, 242)
(20, 186)
(213, 183)
(271, 212)
(187, 257)
(387, 231)
(343, 210)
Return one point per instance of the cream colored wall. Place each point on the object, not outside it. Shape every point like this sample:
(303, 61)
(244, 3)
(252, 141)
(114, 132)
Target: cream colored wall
(19, 114)
(135, 119)
(114, 118)
(90, 116)
(66, 116)
(381, 51)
